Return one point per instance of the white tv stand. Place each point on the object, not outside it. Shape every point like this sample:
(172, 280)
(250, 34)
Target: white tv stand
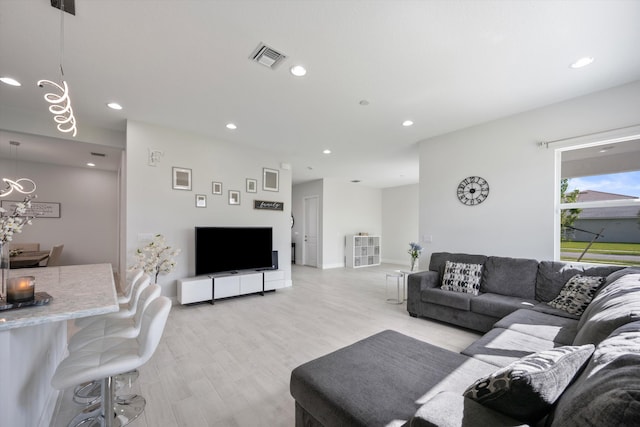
(225, 285)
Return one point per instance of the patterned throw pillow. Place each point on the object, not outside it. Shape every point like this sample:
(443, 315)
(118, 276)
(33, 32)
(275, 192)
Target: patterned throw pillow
(527, 388)
(577, 293)
(461, 277)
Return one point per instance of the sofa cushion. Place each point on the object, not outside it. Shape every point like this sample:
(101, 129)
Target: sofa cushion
(462, 277)
(552, 276)
(615, 305)
(526, 389)
(510, 276)
(577, 293)
(503, 346)
(449, 409)
(458, 300)
(543, 307)
(607, 393)
(438, 260)
(379, 379)
(499, 305)
(561, 330)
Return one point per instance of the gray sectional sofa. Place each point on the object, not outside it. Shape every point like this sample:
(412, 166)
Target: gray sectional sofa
(390, 379)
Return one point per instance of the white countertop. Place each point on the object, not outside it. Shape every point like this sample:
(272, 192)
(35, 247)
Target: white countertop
(76, 291)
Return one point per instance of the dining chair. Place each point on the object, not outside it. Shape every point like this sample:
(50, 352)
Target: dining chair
(24, 247)
(54, 256)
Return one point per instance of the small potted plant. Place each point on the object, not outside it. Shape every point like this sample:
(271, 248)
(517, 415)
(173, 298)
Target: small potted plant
(414, 250)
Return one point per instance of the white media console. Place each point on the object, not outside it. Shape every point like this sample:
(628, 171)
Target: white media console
(216, 286)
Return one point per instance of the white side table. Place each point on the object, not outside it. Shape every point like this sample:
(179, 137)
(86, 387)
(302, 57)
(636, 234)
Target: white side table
(398, 276)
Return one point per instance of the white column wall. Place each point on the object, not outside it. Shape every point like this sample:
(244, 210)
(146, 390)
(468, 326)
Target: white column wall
(400, 206)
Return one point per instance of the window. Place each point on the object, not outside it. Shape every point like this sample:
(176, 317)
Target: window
(600, 203)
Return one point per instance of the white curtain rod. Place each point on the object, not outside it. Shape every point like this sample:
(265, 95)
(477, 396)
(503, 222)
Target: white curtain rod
(603, 133)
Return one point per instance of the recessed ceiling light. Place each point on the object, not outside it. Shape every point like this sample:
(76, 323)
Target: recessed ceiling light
(298, 70)
(355, 181)
(407, 123)
(327, 151)
(582, 62)
(364, 102)
(231, 126)
(91, 164)
(10, 81)
(114, 106)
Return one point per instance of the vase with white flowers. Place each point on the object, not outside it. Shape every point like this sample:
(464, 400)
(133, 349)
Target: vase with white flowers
(11, 223)
(414, 250)
(155, 258)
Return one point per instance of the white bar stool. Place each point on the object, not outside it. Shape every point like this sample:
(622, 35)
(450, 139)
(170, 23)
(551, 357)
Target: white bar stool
(106, 358)
(89, 393)
(126, 310)
(399, 287)
(132, 279)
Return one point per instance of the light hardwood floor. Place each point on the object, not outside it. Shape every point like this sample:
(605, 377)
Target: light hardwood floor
(229, 364)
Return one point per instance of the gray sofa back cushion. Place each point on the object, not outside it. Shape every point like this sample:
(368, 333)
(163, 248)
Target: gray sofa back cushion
(615, 305)
(552, 276)
(439, 259)
(510, 276)
(607, 393)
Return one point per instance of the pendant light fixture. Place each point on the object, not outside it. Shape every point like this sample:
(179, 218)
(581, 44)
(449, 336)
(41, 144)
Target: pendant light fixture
(61, 102)
(19, 185)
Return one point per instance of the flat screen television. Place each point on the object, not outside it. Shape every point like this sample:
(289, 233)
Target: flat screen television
(222, 249)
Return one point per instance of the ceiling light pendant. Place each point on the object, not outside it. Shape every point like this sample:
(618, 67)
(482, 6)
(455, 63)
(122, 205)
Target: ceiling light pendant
(19, 185)
(61, 102)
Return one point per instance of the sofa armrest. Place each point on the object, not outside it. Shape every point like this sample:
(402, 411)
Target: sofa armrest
(416, 283)
(449, 409)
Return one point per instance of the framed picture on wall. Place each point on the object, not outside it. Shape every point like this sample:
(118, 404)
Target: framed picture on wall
(252, 185)
(216, 188)
(181, 179)
(234, 197)
(201, 201)
(270, 179)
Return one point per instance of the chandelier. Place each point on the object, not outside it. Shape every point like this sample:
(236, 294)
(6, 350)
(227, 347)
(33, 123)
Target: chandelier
(19, 185)
(61, 102)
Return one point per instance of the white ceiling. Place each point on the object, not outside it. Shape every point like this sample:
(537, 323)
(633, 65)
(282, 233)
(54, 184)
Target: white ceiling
(446, 65)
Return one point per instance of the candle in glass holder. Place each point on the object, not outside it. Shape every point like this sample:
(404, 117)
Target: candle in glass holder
(21, 289)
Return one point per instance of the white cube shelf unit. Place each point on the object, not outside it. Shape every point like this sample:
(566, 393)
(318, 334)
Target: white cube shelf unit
(362, 251)
(216, 286)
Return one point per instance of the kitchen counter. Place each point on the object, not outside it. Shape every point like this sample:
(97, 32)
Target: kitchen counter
(33, 340)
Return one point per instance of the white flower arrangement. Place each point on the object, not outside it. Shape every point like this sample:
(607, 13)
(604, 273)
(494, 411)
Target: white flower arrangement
(156, 257)
(12, 223)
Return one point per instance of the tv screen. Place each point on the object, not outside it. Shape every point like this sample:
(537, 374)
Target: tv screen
(222, 249)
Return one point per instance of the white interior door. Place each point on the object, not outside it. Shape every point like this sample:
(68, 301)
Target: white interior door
(310, 253)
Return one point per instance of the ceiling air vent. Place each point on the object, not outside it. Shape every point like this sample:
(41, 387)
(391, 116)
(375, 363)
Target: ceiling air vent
(267, 56)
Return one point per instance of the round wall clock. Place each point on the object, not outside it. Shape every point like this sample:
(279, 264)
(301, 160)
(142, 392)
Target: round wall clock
(473, 190)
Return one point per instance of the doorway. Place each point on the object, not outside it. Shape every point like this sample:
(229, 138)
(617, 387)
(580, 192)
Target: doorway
(310, 231)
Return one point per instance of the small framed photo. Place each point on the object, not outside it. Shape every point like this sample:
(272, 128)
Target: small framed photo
(234, 197)
(181, 179)
(201, 201)
(216, 188)
(252, 185)
(270, 178)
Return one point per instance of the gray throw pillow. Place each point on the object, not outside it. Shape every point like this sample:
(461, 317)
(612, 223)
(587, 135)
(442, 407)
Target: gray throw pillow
(462, 277)
(577, 293)
(527, 388)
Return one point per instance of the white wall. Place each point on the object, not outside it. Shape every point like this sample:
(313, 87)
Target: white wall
(154, 207)
(517, 219)
(299, 193)
(348, 208)
(88, 211)
(400, 206)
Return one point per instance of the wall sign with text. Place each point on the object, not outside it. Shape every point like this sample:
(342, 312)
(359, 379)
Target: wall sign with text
(270, 206)
(38, 209)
